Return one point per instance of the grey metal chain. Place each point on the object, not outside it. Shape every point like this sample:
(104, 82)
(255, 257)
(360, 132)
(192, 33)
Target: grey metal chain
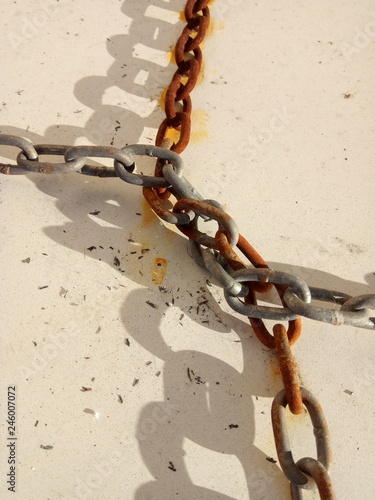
(354, 311)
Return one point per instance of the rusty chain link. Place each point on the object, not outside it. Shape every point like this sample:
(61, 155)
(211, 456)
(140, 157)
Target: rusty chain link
(239, 281)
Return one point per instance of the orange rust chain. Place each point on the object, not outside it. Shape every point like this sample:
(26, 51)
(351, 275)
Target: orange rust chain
(188, 57)
(178, 105)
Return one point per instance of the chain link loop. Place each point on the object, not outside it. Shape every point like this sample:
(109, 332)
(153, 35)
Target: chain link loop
(206, 208)
(26, 148)
(354, 310)
(320, 474)
(280, 430)
(48, 167)
(288, 370)
(298, 286)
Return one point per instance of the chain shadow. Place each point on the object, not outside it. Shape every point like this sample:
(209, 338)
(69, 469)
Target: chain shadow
(209, 402)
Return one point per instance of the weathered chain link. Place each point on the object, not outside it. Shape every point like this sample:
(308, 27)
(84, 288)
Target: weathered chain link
(301, 476)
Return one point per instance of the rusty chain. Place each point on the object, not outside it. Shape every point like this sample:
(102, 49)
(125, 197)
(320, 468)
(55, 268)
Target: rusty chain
(239, 281)
(188, 55)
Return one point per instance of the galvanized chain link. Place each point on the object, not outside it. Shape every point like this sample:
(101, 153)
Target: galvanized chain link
(239, 281)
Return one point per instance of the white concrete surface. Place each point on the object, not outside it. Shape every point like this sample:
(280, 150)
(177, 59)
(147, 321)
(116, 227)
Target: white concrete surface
(301, 190)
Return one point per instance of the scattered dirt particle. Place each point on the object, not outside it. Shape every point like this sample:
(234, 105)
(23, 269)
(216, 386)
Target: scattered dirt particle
(26, 261)
(135, 382)
(151, 304)
(127, 342)
(172, 467)
(119, 399)
(46, 447)
(90, 249)
(272, 460)
(85, 389)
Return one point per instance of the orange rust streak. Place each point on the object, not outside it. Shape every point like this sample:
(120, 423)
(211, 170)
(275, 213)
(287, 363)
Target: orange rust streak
(148, 216)
(159, 270)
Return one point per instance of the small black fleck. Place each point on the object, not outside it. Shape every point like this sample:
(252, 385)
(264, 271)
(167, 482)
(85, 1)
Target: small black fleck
(26, 261)
(47, 447)
(127, 342)
(135, 382)
(119, 398)
(90, 249)
(96, 212)
(154, 306)
(172, 467)
(272, 460)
